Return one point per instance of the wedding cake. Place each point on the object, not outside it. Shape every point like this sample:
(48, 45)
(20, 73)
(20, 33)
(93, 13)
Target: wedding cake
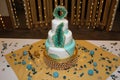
(60, 43)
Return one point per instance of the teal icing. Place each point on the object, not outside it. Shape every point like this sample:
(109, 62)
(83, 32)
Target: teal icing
(47, 45)
(70, 47)
(66, 32)
(61, 9)
(54, 56)
(58, 38)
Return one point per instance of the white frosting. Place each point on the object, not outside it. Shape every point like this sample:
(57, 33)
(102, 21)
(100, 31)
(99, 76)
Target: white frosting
(68, 37)
(55, 52)
(60, 52)
(50, 35)
(56, 22)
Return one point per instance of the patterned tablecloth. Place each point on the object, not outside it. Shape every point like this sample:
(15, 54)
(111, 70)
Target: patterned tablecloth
(8, 45)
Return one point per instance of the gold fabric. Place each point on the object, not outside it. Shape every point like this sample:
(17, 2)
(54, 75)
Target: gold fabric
(79, 71)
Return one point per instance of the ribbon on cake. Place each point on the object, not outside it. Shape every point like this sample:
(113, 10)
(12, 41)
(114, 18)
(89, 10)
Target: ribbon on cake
(60, 9)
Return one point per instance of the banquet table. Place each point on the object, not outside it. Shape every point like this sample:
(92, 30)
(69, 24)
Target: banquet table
(9, 44)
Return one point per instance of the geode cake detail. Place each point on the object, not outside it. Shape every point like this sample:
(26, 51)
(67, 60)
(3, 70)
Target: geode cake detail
(60, 43)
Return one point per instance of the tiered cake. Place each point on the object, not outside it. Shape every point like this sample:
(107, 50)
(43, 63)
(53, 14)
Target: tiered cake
(60, 43)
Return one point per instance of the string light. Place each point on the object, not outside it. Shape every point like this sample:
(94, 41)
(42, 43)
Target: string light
(100, 10)
(79, 12)
(96, 14)
(28, 13)
(110, 28)
(1, 19)
(98, 2)
(91, 11)
(12, 11)
(61, 2)
(74, 15)
(46, 24)
(102, 1)
(45, 15)
(40, 13)
(55, 3)
(15, 14)
(113, 16)
(40, 22)
(31, 23)
(80, 2)
(88, 27)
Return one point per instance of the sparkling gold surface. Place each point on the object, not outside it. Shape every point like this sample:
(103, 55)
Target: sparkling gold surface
(76, 72)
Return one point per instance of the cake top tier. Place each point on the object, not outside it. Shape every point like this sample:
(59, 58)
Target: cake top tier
(60, 12)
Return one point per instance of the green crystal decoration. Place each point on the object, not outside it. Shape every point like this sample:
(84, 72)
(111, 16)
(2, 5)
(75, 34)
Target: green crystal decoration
(59, 37)
(62, 9)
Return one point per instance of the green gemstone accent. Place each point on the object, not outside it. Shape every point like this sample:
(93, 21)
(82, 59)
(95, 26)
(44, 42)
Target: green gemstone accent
(29, 67)
(66, 31)
(90, 72)
(58, 38)
(55, 74)
(54, 56)
(62, 9)
(94, 64)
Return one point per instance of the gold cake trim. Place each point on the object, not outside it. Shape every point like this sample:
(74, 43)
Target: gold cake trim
(60, 64)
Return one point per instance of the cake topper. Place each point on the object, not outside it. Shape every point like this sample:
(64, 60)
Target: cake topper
(60, 9)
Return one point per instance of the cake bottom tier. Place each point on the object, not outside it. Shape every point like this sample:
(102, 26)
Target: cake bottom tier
(60, 53)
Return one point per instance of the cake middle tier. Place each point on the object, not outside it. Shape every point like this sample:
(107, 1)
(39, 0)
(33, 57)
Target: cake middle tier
(60, 53)
(57, 22)
(67, 35)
